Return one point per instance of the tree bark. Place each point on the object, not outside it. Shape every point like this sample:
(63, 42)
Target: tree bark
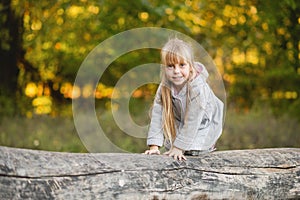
(236, 174)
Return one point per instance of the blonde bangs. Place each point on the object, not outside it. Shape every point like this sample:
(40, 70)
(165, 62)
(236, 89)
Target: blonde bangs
(174, 55)
(172, 58)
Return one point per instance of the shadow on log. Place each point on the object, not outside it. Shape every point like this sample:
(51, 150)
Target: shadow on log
(237, 174)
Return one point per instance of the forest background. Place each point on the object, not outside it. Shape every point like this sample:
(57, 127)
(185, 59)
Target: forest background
(254, 43)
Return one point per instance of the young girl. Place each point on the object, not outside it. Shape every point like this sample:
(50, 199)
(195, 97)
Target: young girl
(186, 115)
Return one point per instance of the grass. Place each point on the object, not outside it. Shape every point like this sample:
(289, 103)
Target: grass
(40, 132)
(259, 128)
(256, 129)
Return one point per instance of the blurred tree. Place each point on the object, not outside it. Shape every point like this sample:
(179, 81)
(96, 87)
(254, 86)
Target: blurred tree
(281, 52)
(10, 55)
(255, 44)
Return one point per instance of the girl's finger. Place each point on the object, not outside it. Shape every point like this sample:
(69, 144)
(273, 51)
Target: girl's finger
(180, 158)
(171, 154)
(157, 152)
(176, 157)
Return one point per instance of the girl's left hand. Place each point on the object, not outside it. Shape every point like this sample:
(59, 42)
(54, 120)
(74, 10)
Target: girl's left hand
(176, 153)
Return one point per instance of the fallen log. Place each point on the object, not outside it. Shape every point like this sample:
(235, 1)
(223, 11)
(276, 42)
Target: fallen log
(236, 174)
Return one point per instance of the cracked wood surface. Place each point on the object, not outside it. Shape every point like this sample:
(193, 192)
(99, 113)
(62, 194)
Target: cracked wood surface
(235, 174)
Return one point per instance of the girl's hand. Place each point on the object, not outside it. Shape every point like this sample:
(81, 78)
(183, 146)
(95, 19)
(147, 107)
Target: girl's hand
(153, 150)
(176, 153)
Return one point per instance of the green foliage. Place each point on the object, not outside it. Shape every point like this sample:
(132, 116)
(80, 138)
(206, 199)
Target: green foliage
(255, 45)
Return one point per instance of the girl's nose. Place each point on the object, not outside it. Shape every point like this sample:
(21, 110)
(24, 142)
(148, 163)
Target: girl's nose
(176, 69)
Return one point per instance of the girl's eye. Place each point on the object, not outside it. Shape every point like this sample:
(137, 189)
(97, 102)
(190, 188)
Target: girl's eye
(182, 64)
(170, 66)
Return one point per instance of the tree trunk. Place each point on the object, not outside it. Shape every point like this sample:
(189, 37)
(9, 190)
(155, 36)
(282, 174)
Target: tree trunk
(11, 51)
(236, 174)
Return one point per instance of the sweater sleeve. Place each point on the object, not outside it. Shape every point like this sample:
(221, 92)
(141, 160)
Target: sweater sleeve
(155, 133)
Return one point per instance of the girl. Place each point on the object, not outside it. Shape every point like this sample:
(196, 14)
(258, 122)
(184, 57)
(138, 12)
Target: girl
(186, 115)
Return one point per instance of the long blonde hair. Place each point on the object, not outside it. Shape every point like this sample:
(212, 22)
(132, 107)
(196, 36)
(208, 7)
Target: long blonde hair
(174, 51)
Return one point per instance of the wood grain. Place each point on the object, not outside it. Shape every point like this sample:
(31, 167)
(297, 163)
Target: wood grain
(237, 174)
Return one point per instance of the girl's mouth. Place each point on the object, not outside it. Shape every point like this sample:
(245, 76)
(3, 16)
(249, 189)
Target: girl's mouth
(177, 78)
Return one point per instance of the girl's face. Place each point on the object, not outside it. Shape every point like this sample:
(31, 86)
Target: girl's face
(178, 74)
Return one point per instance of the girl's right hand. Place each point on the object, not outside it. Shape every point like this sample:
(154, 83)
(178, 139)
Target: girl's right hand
(152, 150)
